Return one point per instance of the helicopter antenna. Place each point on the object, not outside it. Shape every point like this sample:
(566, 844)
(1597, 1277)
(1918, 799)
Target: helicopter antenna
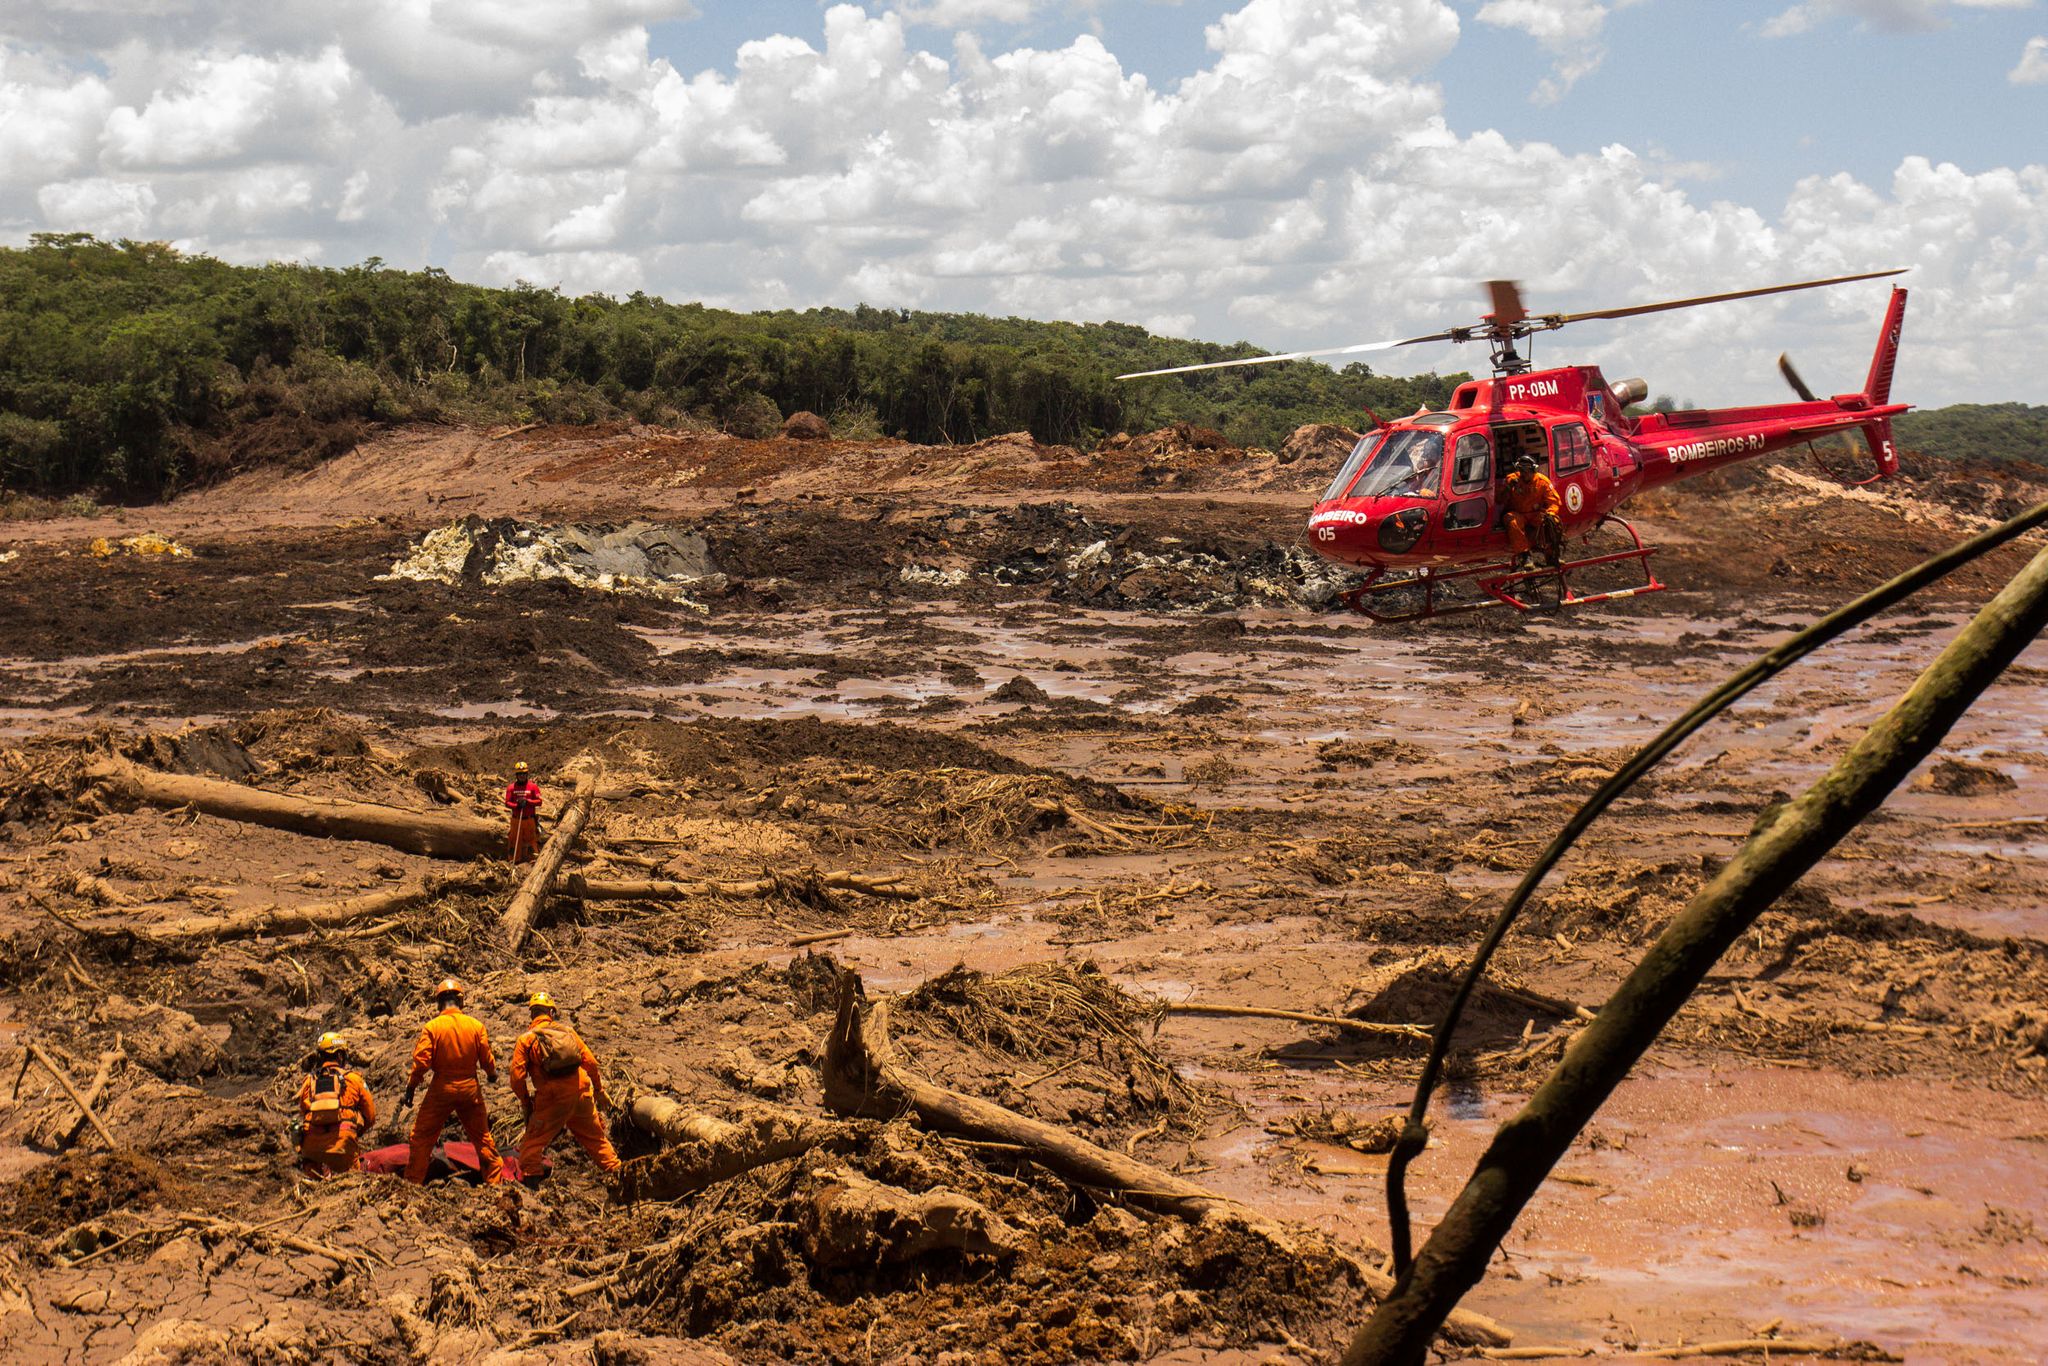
(1509, 322)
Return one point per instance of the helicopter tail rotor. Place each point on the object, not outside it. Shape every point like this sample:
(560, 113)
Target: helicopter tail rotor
(1792, 378)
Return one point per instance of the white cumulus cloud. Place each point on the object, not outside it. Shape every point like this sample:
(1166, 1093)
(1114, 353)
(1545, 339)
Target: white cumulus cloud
(2033, 65)
(1303, 186)
(1570, 30)
(1888, 16)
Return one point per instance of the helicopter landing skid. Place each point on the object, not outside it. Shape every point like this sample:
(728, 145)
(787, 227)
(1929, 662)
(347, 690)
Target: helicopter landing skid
(1500, 581)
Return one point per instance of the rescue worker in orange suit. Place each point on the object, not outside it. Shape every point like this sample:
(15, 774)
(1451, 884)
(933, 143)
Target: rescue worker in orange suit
(522, 798)
(334, 1106)
(452, 1047)
(1531, 519)
(567, 1091)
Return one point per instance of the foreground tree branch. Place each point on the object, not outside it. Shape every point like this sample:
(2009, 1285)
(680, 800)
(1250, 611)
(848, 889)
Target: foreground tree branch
(1776, 855)
(863, 1076)
(437, 834)
(533, 895)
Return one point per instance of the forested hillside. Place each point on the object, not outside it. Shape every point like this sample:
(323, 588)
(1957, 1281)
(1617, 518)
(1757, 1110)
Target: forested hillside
(1999, 433)
(131, 370)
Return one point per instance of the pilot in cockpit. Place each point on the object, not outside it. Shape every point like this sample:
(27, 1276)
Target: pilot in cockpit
(1424, 462)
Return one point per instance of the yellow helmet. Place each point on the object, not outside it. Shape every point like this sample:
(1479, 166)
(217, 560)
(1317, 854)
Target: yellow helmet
(519, 767)
(540, 1000)
(330, 1042)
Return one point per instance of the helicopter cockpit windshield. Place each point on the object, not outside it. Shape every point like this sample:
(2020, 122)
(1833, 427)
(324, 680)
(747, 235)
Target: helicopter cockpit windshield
(1353, 462)
(1406, 464)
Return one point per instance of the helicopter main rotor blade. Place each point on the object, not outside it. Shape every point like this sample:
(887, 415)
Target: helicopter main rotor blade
(1293, 355)
(1560, 319)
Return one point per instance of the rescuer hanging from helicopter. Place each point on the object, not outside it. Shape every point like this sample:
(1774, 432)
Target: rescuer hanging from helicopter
(522, 796)
(1532, 512)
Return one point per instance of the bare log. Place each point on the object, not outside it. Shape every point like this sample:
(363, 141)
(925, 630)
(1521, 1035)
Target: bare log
(862, 1076)
(1406, 1031)
(655, 889)
(846, 1220)
(525, 907)
(437, 834)
(1739, 1347)
(85, 1109)
(101, 1075)
(321, 915)
(708, 1149)
(1777, 854)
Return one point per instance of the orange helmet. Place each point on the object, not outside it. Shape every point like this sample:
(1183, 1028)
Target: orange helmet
(449, 987)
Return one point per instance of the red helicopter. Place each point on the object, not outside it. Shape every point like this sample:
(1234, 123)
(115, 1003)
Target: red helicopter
(1421, 502)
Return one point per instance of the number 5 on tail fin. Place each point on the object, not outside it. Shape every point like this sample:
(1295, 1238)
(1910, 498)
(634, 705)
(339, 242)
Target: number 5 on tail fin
(1877, 389)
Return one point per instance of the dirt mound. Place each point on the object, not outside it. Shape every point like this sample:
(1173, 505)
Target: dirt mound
(1320, 443)
(1417, 992)
(1962, 778)
(1180, 440)
(1020, 689)
(806, 426)
(81, 1186)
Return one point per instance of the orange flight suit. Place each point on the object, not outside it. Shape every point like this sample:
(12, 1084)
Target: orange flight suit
(1533, 506)
(452, 1047)
(561, 1102)
(328, 1145)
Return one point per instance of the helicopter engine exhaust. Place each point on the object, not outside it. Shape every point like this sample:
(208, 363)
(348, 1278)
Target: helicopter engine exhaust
(1629, 391)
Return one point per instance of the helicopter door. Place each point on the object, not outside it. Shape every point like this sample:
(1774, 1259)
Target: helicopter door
(1571, 466)
(1471, 506)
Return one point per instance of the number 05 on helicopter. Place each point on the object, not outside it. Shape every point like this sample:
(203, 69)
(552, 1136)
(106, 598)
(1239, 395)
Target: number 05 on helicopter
(1426, 503)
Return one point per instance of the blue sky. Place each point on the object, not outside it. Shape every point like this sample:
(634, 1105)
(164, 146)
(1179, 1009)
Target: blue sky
(1295, 173)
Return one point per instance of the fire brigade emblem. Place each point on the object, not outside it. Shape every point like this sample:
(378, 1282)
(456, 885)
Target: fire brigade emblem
(1574, 497)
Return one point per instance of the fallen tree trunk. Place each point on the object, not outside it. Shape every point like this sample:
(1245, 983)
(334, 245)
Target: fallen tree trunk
(707, 1149)
(863, 1077)
(322, 915)
(846, 1220)
(1778, 853)
(533, 895)
(436, 834)
(1406, 1031)
(596, 889)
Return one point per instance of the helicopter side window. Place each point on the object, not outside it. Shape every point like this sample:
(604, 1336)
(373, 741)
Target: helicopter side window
(1410, 464)
(1472, 464)
(1354, 462)
(1572, 448)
